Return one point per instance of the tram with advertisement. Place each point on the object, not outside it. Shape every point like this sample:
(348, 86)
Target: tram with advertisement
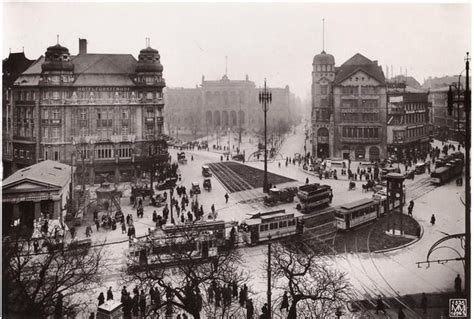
(356, 213)
(166, 247)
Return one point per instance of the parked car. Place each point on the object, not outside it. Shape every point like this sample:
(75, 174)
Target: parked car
(206, 171)
(420, 168)
(207, 184)
(195, 189)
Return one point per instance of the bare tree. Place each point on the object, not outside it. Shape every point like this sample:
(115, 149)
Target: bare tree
(184, 266)
(314, 288)
(44, 283)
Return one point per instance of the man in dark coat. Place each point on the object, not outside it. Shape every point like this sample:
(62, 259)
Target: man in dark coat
(101, 298)
(284, 302)
(110, 295)
(458, 284)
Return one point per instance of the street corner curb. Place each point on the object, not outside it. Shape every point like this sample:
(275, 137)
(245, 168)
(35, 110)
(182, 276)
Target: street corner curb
(422, 231)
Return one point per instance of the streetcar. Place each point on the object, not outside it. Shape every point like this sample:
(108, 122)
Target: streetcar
(275, 224)
(356, 213)
(314, 196)
(168, 246)
(450, 170)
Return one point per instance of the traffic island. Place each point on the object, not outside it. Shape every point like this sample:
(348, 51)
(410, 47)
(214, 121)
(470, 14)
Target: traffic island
(393, 231)
(381, 235)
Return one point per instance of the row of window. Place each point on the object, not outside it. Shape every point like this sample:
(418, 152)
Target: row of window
(354, 90)
(276, 225)
(416, 118)
(415, 132)
(325, 68)
(25, 95)
(359, 117)
(362, 103)
(360, 132)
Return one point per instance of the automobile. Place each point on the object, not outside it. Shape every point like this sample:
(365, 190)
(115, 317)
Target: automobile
(420, 168)
(166, 184)
(280, 195)
(207, 184)
(195, 189)
(239, 157)
(206, 171)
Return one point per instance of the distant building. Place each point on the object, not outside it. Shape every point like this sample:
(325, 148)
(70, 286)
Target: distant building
(448, 126)
(408, 125)
(13, 66)
(41, 190)
(217, 106)
(348, 109)
(102, 111)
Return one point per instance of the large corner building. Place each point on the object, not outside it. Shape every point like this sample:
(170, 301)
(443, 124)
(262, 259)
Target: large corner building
(102, 112)
(349, 105)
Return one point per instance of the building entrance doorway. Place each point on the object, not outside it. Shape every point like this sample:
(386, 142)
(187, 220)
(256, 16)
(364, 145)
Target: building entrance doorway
(323, 150)
(27, 214)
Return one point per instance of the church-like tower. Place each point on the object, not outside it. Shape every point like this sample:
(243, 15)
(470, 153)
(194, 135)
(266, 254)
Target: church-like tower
(321, 105)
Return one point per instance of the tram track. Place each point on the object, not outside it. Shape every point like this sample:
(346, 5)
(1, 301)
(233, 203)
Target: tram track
(420, 188)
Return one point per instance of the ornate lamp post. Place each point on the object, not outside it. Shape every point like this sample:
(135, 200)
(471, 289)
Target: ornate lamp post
(265, 98)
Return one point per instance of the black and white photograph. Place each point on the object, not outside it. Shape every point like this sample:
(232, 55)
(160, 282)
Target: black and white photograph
(254, 160)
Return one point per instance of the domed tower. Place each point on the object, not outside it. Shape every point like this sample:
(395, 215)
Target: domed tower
(150, 84)
(321, 92)
(57, 67)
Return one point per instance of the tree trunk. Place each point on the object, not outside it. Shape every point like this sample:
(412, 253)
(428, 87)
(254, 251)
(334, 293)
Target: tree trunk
(292, 311)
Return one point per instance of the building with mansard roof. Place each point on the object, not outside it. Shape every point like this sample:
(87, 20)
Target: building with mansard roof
(103, 111)
(348, 109)
(217, 106)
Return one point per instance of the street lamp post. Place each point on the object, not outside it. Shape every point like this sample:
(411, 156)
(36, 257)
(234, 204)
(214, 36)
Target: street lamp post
(265, 98)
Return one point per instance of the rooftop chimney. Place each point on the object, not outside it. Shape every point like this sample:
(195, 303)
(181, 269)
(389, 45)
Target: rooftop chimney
(82, 46)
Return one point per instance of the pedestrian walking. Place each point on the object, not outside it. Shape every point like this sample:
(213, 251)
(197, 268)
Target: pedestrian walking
(424, 302)
(457, 284)
(284, 303)
(380, 306)
(101, 298)
(88, 231)
(110, 295)
(433, 220)
(97, 224)
(249, 308)
(410, 208)
(226, 198)
(142, 303)
(307, 180)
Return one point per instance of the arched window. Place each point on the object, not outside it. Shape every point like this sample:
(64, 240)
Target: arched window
(360, 152)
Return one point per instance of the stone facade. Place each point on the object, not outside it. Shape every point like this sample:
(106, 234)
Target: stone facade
(445, 125)
(217, 106)
(348, 109)
(104, 111)
(408, 130)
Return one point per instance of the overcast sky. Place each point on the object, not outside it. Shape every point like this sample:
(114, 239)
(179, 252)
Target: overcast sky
(276, 41)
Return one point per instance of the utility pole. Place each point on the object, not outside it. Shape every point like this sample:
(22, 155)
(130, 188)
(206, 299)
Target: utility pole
(265, 98)
(467, 108)
(240, 121)
(269, 278)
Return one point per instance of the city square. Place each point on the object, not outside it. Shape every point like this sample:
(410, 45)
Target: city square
(125, 195)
